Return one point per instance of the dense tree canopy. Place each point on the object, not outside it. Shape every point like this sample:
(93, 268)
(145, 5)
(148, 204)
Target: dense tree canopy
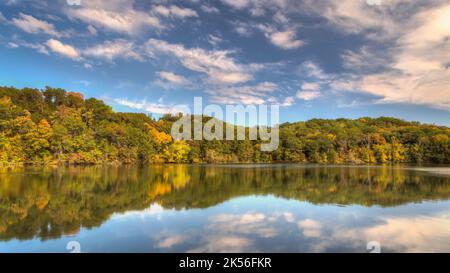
(52, 126)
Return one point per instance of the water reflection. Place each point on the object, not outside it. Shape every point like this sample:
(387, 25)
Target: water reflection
(224, 209)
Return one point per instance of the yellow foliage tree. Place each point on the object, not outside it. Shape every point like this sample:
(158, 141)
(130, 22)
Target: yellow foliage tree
(177, 152)
(160, 138)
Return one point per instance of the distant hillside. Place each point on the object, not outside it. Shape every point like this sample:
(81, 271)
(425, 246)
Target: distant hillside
(52, 126)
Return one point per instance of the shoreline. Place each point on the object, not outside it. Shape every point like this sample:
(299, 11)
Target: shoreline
(405, 165)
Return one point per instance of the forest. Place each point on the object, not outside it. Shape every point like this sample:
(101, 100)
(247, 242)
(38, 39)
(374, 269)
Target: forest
(53, 126)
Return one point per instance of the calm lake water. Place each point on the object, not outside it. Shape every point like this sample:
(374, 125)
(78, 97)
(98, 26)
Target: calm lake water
(251, 208)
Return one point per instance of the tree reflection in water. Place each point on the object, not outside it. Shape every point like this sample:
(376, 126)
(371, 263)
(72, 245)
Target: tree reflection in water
(49, 203)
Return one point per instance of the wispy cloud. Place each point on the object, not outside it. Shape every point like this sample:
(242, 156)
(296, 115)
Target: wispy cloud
(214, 40)
(309, 91)
(116, 16)
(261, 93)
(395, 52)
(209, 9)
(242, 28)
(308, 95)
(310, 227)
(111, 50)
(35, 46)
(172, 241)
(2, 17)
(63, 49)
(218, 65)
(414, 70)
(285, 39)
(174, 11)
(151, 107)
(32, 25)
(256, 7)
(172, 77)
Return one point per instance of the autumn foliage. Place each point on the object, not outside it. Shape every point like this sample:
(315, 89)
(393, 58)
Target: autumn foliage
(52, 126)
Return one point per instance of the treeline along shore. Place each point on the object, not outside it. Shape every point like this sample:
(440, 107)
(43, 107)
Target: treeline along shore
(53, 126)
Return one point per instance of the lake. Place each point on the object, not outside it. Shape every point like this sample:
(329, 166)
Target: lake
(225, 208)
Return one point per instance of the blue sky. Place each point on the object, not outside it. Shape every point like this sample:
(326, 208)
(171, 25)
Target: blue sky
(315, 58)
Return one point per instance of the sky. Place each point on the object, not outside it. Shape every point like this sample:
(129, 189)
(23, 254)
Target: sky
(314, 58)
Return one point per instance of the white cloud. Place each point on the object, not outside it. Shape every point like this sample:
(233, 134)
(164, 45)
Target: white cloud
(85, 82)
(310, 228)
(209, 9)
(38, 47)
(257, 7)
(63, 49)
(238, 4)
(172, 241)
(246, 218)
(414, 68)
(243, 29)
(2, 18)
(400, 234)
(261, 93)
(289, 217)
(366, 59)
(32, 25)
(174, 11)
(172, 78)
(281, 18)
(317, 79)
(157, 108)
(11, 2)
(309, 91)
(225, 77)
(115, 15)
(406, 58)
(92, 30)
(121, 16)
(311, 86)
(308, 95)
(249, 218)
(111, 50)
(12, 45)
(288, 101)
(214, 40)
(231, 232)
(313, 70)
(425, 47)
(154, 211)
(355, 16)
(417, 234)
(224, 243)
(218, 65)
(285, 39)
(248, 223)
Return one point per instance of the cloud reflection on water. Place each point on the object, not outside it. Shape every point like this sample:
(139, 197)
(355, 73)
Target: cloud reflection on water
(318, 231)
